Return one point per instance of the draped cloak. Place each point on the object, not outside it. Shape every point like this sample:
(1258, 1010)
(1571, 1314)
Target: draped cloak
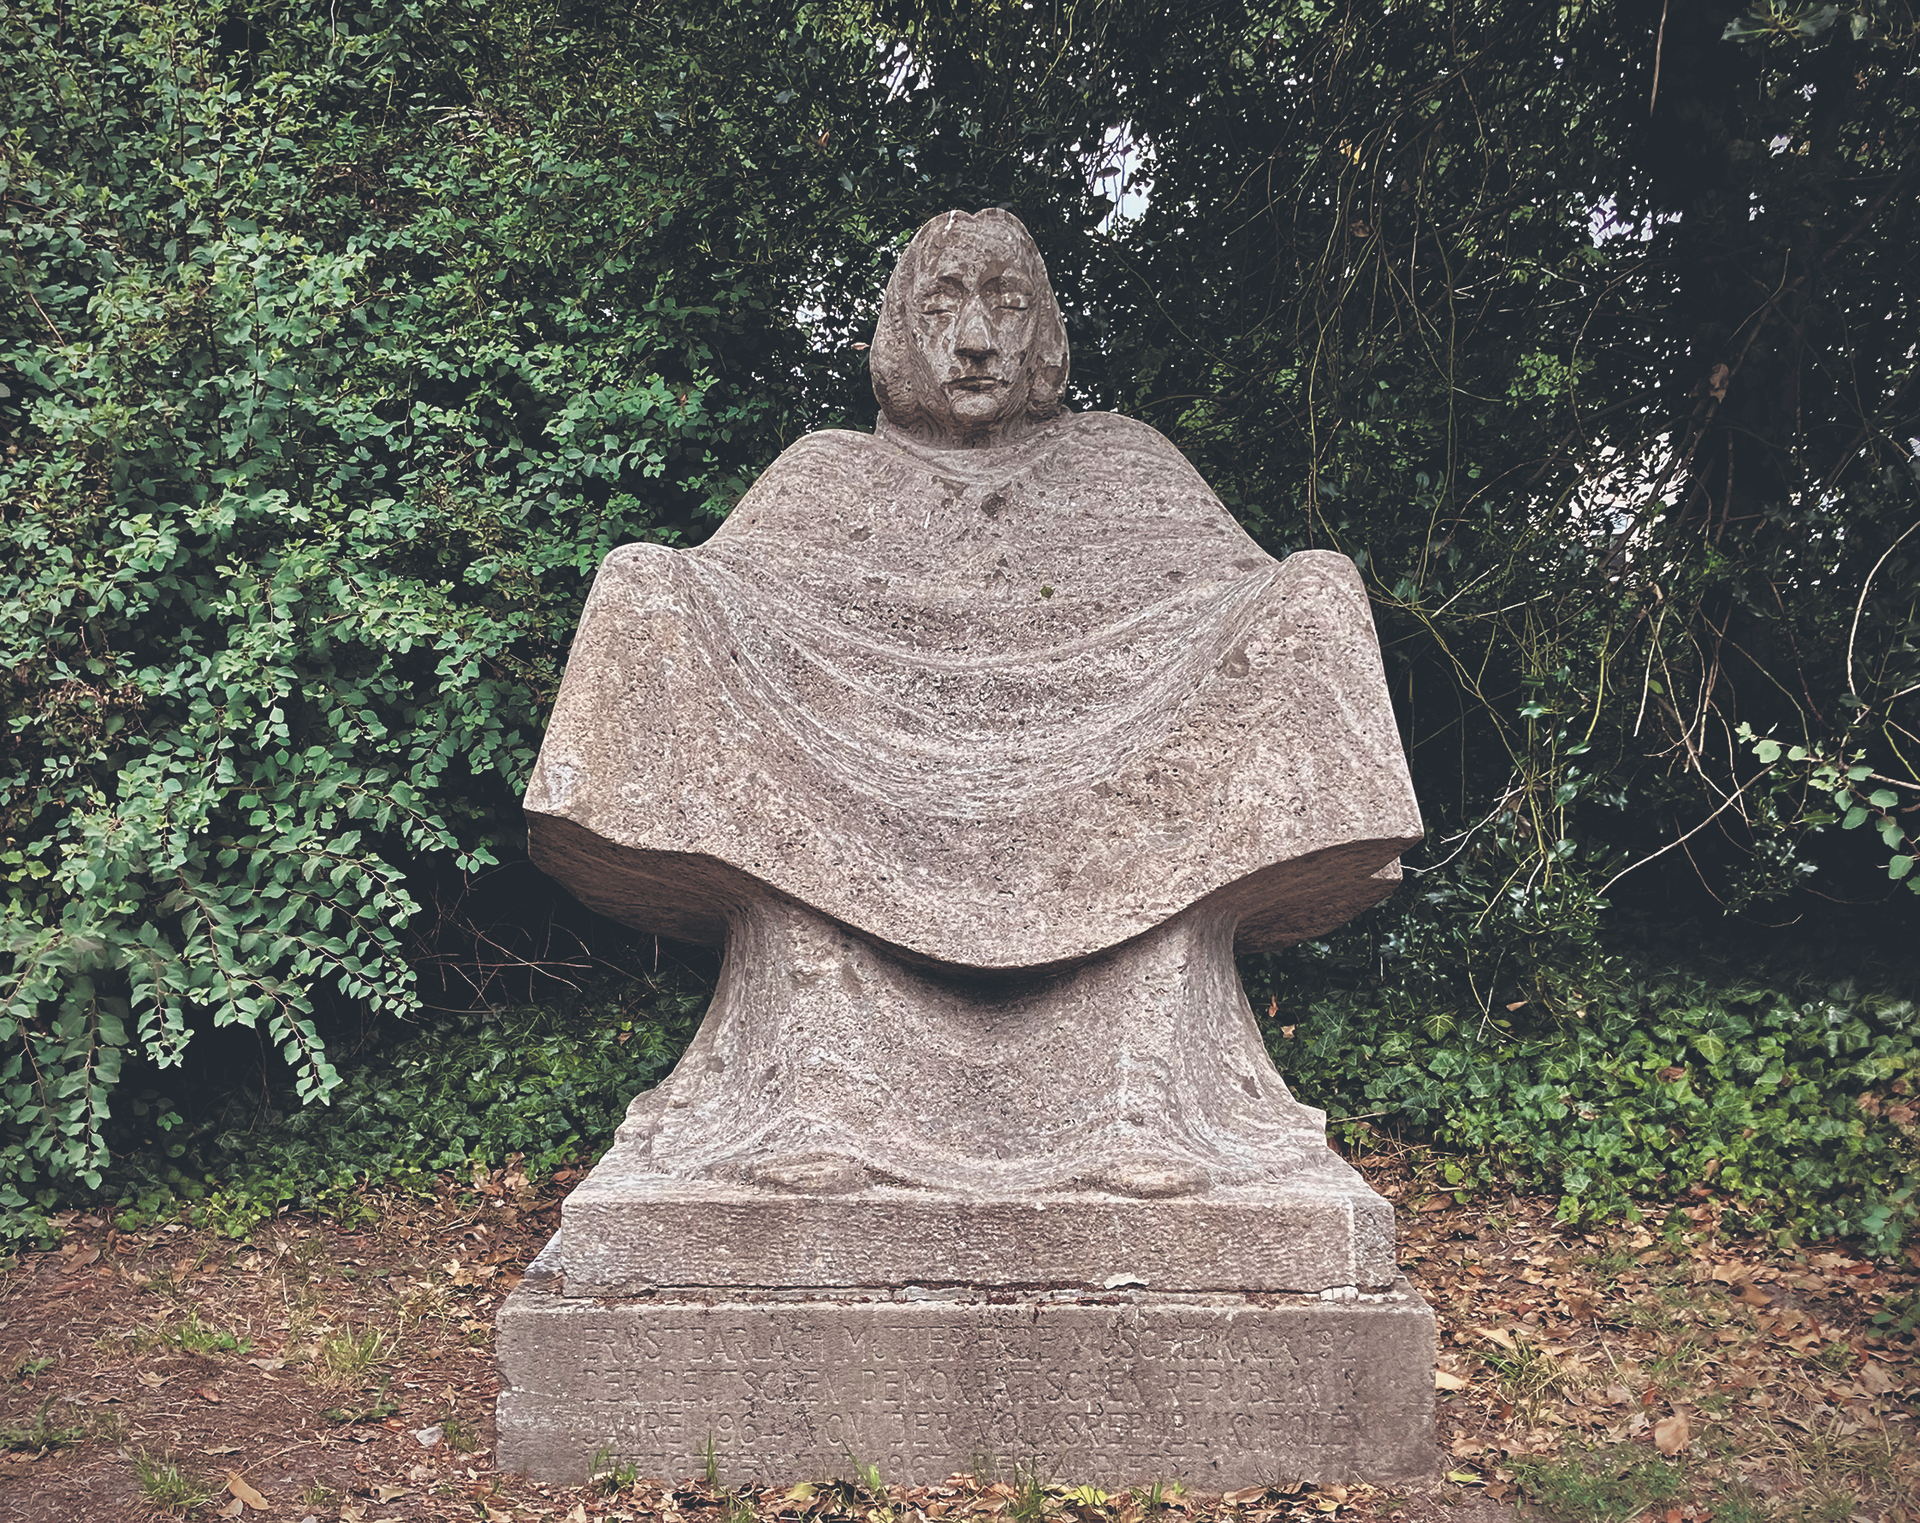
(995, 709)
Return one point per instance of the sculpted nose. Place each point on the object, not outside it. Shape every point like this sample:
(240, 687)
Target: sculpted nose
(973, 339)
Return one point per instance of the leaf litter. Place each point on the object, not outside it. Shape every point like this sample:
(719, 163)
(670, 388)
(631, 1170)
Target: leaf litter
(1602, 1374)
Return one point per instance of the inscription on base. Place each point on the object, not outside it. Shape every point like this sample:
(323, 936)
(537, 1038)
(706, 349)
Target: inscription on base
(1112, 1393)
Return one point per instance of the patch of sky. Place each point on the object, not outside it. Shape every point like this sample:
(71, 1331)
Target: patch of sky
(1605, 222)
(1120, 175)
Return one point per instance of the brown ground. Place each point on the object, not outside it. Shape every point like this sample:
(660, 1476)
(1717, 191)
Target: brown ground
(340, 1373)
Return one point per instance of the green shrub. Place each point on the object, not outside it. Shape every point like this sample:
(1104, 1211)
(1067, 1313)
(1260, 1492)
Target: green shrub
(1798, 1106)
(546, 1084)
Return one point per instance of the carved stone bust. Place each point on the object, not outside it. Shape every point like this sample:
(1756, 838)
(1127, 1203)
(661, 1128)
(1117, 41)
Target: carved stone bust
(970, 350)
(980, 743)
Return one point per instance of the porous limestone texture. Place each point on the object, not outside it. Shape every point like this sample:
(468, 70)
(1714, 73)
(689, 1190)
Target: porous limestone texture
(627, 1231)
(1109, 1389)
(996, 709)
(1140, 1072)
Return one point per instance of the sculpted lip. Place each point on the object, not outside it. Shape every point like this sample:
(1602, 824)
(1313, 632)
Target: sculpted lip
(975, 383)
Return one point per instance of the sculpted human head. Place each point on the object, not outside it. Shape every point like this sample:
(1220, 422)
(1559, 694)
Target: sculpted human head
(970, 349)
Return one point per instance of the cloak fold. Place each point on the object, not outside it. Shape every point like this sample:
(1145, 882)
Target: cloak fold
(996, 709)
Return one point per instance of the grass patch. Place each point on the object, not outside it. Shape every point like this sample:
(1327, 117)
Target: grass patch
(608, 1477)
(377, 1410)
(195, 1337)
(1611, 1485)
(42, 1431)
(164, 1484)
(1527, 1375)
(346, 1356)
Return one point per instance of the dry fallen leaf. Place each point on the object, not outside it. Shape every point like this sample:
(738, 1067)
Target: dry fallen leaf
(1445, 1381)
(1670, 1434)
(237, 1484)
(148, 1378)
(1876, 1379)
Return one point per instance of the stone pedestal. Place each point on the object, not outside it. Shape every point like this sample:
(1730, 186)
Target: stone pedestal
(1096, 1386)
(1255, 1331)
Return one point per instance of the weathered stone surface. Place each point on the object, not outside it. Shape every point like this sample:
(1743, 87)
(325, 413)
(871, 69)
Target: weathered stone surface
(1222, 1390)
(998, 687)
(827, 1065)
(999, 709)
(981, 743)
(626, 1231)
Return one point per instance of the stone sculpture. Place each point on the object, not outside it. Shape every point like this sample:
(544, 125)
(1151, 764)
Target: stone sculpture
(981, 743)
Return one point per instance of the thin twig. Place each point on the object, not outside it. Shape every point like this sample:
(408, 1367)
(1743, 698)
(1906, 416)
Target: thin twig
(47, 320)
(1659, 42)
(1726, 805)
(1857, 607)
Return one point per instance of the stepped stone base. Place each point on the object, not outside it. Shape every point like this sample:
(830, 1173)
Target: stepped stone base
(630, 1232)
(1104, 1387)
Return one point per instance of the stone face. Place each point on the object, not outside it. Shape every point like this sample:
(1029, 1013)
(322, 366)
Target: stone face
(1222, 1391)
(981, 744)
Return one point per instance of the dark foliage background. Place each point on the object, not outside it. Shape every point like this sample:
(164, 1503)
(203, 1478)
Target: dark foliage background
(339, 346)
